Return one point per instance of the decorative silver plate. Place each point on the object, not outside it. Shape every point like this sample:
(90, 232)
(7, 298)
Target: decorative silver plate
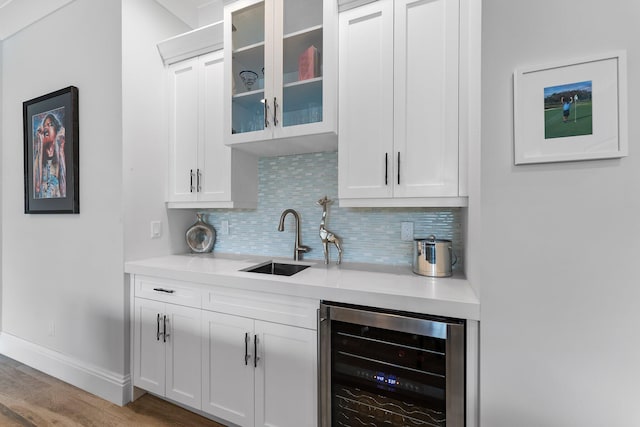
(201, 236)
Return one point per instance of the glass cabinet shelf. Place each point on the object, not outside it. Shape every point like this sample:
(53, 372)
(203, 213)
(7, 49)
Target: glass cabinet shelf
(249, 48)
(304, 31)
(303, 82)
(249, 95)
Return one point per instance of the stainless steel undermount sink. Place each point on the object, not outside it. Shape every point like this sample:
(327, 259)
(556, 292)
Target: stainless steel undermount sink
(276, 268)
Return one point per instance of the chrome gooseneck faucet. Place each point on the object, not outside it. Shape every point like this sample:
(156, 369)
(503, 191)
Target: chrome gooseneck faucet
(298, 249)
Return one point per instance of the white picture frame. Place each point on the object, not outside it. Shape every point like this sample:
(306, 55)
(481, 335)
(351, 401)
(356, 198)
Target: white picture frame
(595, 127)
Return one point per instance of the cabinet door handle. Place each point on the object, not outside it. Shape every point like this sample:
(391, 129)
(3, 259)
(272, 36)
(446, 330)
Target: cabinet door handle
(198, 188)
(275, 111)
(386, 168)
(168, 291)
(164, 329)
(158, 327)
(246, 348)
(266, 113)
(398, 168)
(255, 351)
(191, 181)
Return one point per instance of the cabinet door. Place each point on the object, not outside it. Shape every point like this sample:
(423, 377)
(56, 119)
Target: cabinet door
(214, 158)
(183, 355)
(426, 98)
(149, 348)
(286, 376)
(183, 130)
(228, 376)
(365, 150)
(248, 70)
(304, 59)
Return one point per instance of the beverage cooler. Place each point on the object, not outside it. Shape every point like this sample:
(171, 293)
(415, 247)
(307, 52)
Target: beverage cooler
(390, 368)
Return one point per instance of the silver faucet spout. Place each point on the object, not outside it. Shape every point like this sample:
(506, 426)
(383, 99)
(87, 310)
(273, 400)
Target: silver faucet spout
(298, 249)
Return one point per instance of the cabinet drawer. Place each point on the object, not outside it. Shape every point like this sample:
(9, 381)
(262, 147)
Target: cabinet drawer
(283, 309)
(170, 291)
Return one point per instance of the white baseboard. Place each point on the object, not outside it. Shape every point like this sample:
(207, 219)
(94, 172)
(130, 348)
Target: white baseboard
(108, 385)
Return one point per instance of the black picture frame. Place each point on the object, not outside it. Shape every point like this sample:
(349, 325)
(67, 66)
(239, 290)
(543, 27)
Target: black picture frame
(51, 157)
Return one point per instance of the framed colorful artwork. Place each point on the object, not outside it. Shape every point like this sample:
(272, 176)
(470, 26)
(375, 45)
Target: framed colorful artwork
(51, 158)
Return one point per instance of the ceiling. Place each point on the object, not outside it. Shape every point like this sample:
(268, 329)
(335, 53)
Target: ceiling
(17, 14)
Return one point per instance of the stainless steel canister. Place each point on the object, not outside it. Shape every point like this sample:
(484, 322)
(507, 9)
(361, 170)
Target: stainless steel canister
(433, 257)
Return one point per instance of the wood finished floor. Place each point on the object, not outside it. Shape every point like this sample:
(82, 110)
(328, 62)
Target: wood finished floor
(30, 398)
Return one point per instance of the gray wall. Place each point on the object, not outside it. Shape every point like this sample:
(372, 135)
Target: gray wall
(145, 132)
(559, 287)
(67, 271)
(1, 156)
(62, 274)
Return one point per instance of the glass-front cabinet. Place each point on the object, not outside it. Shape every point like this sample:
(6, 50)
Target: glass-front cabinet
(281, 75)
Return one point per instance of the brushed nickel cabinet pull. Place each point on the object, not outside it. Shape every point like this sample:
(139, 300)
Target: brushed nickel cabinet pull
(275, 111)
(246, 348)
(167, 291)
(386, 168)
(266, 113)
(255, 351)
(199, 187)
(164, 329)
(191, 181)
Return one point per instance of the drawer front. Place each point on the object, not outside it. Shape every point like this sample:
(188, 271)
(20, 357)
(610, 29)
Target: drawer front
(171, 291)
(295, 311)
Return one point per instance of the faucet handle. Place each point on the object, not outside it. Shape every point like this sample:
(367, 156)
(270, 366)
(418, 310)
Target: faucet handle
(303, 248)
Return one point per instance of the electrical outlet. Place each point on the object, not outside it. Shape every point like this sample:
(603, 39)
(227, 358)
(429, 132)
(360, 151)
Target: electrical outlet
(224, 228)
(406, 231)
(52, 328)
(156, 229)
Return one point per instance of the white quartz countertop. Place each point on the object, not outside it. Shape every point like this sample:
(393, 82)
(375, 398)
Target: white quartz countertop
(392, 287)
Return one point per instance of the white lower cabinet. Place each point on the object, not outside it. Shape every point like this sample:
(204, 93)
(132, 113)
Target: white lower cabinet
(167, 340)
(259, 373)
(227, 374)
(248, 358)
(286, 376)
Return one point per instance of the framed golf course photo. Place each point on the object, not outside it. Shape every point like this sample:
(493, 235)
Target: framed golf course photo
(571, 111)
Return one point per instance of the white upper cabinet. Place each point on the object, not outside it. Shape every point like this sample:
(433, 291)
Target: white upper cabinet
(399, 121)
(203, 172)
(281, 80)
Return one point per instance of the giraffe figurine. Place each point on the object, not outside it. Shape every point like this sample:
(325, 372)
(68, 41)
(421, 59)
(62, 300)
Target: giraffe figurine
(327, 236)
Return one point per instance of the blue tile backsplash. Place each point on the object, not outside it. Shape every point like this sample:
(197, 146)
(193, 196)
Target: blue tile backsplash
(370, 235)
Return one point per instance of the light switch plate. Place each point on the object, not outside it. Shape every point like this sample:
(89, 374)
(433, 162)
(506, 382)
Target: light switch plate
(156, 229)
